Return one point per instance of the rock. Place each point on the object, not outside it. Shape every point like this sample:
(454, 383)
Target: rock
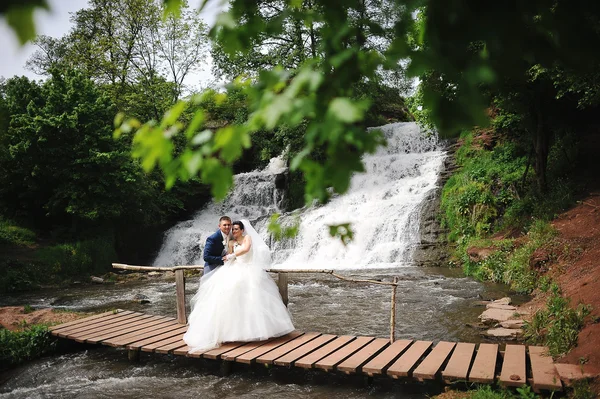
(154, 274)
(140, 298)
(97, 280)
(477, 254)
(539, 259)
(503, 301)
(494, 305)
(477, 326)
(506, 333)
(513, 324)
(496, 315)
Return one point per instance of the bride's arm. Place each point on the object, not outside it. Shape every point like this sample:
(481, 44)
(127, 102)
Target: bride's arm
(245, 246)
(230, 247)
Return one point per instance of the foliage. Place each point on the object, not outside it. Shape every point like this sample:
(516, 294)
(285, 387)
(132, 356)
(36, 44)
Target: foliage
(557, 326)
(493, 192)
(19, 346)
(12, 234)
(79, 258)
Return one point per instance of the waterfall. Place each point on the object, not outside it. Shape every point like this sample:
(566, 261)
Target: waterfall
(383, 206)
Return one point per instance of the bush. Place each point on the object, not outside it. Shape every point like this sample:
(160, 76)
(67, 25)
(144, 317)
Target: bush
(10, 234)
(79, 258)
(19, 346)
(557, 326)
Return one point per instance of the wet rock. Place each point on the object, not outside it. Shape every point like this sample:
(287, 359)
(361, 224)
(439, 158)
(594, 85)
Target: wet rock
(141, 298)
(503, 301)
(477, 326)
(154, 274)
(97, 280)
(496, 315)
(504, 333)
(494, 305)
(513, 324)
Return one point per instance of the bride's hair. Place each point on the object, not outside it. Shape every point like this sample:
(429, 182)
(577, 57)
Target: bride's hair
(238, 223)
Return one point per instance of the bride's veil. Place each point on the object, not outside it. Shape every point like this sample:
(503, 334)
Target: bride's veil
(261, 254)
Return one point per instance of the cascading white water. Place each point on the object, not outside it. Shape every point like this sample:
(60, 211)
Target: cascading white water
(382, 205)
(253, 196)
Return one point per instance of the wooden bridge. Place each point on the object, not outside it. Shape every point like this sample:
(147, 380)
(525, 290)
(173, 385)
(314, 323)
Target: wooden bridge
(514, 366)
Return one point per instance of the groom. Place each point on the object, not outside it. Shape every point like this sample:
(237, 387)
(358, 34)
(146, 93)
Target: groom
(215, 248)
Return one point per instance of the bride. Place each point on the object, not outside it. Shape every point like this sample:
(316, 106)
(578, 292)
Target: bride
(238, 301)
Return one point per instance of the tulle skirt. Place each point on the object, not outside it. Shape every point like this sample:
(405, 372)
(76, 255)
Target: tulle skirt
(236, 303)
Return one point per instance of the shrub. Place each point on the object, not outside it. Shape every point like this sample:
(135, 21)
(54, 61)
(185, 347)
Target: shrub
(557, 326)
(18, 346)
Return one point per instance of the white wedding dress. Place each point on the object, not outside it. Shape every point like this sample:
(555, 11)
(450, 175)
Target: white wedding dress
(237, 302)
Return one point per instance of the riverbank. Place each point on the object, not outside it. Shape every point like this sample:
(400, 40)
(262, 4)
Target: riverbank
(16, 318)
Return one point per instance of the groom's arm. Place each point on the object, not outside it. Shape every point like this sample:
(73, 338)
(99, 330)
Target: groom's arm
(209, 249)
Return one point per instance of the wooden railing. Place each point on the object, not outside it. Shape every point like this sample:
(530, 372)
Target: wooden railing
(282, 283)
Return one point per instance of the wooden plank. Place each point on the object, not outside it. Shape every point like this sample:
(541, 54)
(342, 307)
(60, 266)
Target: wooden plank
(97, 323)
(459, 363)
(82, 320)
(354, 362)
(402, 366)
(385, 358)
(80, 336)
(330, 361)
(217, 352)
(544, 375)
(150, 324)
(183, 351)
(170, 347)
(232, 354)
(432, 364)
(270, 356)
(135, 336)
(513, 366)
(291, 357)
(309, 360)
(484, 366)
(167, 341)
(250, 356)
(157, 338)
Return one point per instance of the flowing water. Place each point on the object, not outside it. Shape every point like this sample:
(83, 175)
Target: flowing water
(383, 206)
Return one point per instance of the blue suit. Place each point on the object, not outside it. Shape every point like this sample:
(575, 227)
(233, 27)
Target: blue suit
(213, 252)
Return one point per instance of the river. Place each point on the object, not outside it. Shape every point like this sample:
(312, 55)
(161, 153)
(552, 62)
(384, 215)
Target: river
(383, 206)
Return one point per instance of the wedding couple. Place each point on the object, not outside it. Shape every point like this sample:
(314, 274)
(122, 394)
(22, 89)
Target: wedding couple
(237, 300)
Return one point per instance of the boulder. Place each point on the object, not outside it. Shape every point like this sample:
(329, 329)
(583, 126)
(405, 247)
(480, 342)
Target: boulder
(513, 324)
(504, 333)
(140, 298)
(97, 280)
(477, 254)
(503, 301)
(494, 305)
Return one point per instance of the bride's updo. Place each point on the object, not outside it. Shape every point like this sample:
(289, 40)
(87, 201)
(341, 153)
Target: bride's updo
(239, 224)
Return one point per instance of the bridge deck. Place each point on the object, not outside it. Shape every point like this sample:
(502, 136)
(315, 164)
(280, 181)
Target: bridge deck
(516, 366)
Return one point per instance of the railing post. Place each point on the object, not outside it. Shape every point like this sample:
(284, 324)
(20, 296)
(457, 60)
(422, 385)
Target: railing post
(393, 312)
(180, 286)
(282, 283)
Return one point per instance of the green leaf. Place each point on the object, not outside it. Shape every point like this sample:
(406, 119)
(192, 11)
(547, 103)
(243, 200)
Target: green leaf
(345, 110)
(20, 18)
